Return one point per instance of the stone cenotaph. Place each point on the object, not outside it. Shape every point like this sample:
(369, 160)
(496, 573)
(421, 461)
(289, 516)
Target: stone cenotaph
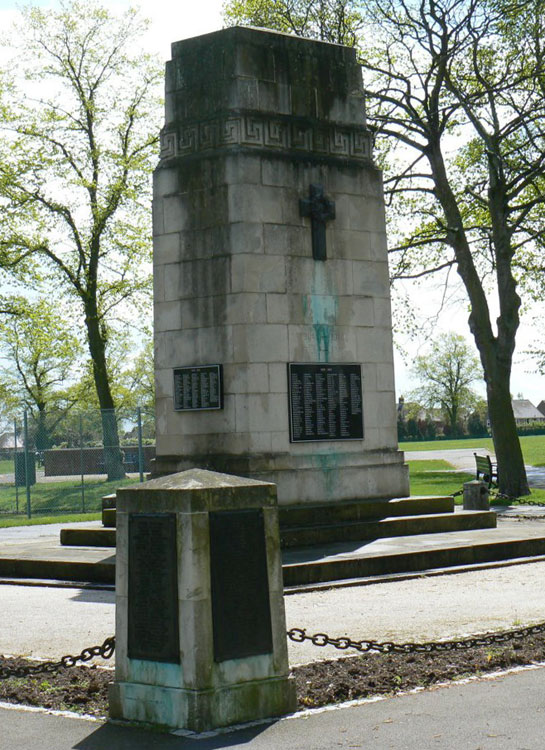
(200, 624)
(272, 306)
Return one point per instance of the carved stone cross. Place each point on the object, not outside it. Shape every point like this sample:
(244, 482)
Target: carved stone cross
(320, 210)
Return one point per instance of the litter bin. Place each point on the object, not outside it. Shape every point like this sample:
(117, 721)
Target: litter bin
(20, 473)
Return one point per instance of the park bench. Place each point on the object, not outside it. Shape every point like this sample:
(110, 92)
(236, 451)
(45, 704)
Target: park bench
(487, 470)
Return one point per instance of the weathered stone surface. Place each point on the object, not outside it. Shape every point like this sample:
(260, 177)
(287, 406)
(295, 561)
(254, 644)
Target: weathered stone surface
(476, 496)
(253, 118)
(198, 691)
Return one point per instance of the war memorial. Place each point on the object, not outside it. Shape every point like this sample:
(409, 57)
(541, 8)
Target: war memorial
(277, 459)
(273, 339)
(274, 368)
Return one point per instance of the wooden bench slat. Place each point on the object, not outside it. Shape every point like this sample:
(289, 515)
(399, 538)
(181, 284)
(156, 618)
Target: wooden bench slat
(487, 469)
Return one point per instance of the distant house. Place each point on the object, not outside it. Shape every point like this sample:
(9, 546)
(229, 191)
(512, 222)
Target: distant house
(541, 407)
(526, 413)
(408, 409)
(7, 441)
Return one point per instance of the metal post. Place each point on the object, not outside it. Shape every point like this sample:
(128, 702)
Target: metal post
(81, 464)
(15, 465)
(140, 449)
(27, 467)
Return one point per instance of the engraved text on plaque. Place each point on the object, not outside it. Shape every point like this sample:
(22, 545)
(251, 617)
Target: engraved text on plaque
(325, 402)
(153, 588)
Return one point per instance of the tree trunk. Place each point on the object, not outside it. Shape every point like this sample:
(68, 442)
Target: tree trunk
(512, 479)
(43, 439)
(113, 457)
(496, 352)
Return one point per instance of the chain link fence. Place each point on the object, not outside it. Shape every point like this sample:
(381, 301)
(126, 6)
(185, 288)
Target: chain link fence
(61, 463)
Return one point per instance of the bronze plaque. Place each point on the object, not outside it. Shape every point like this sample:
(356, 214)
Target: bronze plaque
(241, 613)
(325, 402)
(198, 388)
(153, 588)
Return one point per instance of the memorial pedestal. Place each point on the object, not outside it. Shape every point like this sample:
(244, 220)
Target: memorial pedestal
(200, 625)
(270, 250)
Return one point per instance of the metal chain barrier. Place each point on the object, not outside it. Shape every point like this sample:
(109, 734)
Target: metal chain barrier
(105, 651)
(517, 500)
(298, 635)
(497, 495)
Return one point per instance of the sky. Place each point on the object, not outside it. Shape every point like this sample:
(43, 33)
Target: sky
(173, 20)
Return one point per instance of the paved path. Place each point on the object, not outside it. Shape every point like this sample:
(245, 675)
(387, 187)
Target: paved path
(505, 713)
(50, 622)
(462, 459)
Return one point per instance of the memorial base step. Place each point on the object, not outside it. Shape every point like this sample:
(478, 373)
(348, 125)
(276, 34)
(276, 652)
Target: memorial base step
(88, 537)
(309, 524)
(311, 514)
(353, 531)
(303, 566)
(412, 554)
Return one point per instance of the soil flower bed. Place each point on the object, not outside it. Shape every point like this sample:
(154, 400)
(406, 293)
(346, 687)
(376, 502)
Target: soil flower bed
(85, 689)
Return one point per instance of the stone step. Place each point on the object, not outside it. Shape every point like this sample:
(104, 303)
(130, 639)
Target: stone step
(358, 510)
(307, 565)
(88, 537)
(81, 564)
(109, 518)
(312, 514)
(338, 562)
(354, 531)
(314, 523)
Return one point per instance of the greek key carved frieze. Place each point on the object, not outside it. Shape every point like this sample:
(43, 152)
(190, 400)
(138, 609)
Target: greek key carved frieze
(168, 145)
(267, 132)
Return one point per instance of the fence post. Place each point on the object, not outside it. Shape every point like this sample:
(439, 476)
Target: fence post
(140, 449)
(81, 463)
(27, 467)
(15, 465)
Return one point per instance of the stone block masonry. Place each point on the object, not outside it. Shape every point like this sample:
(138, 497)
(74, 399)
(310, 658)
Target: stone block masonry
(253, 120)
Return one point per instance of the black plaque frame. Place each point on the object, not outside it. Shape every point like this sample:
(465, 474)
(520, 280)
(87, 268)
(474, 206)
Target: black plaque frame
(153, 632)
(241, 612)
(314, 398)
(197, 400)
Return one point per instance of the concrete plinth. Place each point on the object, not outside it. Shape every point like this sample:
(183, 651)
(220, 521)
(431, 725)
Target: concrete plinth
(214, 677)
(476, 495)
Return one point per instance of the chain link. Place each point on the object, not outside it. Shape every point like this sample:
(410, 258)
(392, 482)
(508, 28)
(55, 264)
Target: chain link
(299, 635)
(497, 495)
(105, 651)
(522, 501)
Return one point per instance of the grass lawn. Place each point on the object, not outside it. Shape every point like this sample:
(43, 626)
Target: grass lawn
(59, 497)
(438, 478)
(7, 466)
(533, 447)
(12, 520)
(435, 478)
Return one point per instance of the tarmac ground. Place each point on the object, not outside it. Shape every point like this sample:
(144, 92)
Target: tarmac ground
(504, 713)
